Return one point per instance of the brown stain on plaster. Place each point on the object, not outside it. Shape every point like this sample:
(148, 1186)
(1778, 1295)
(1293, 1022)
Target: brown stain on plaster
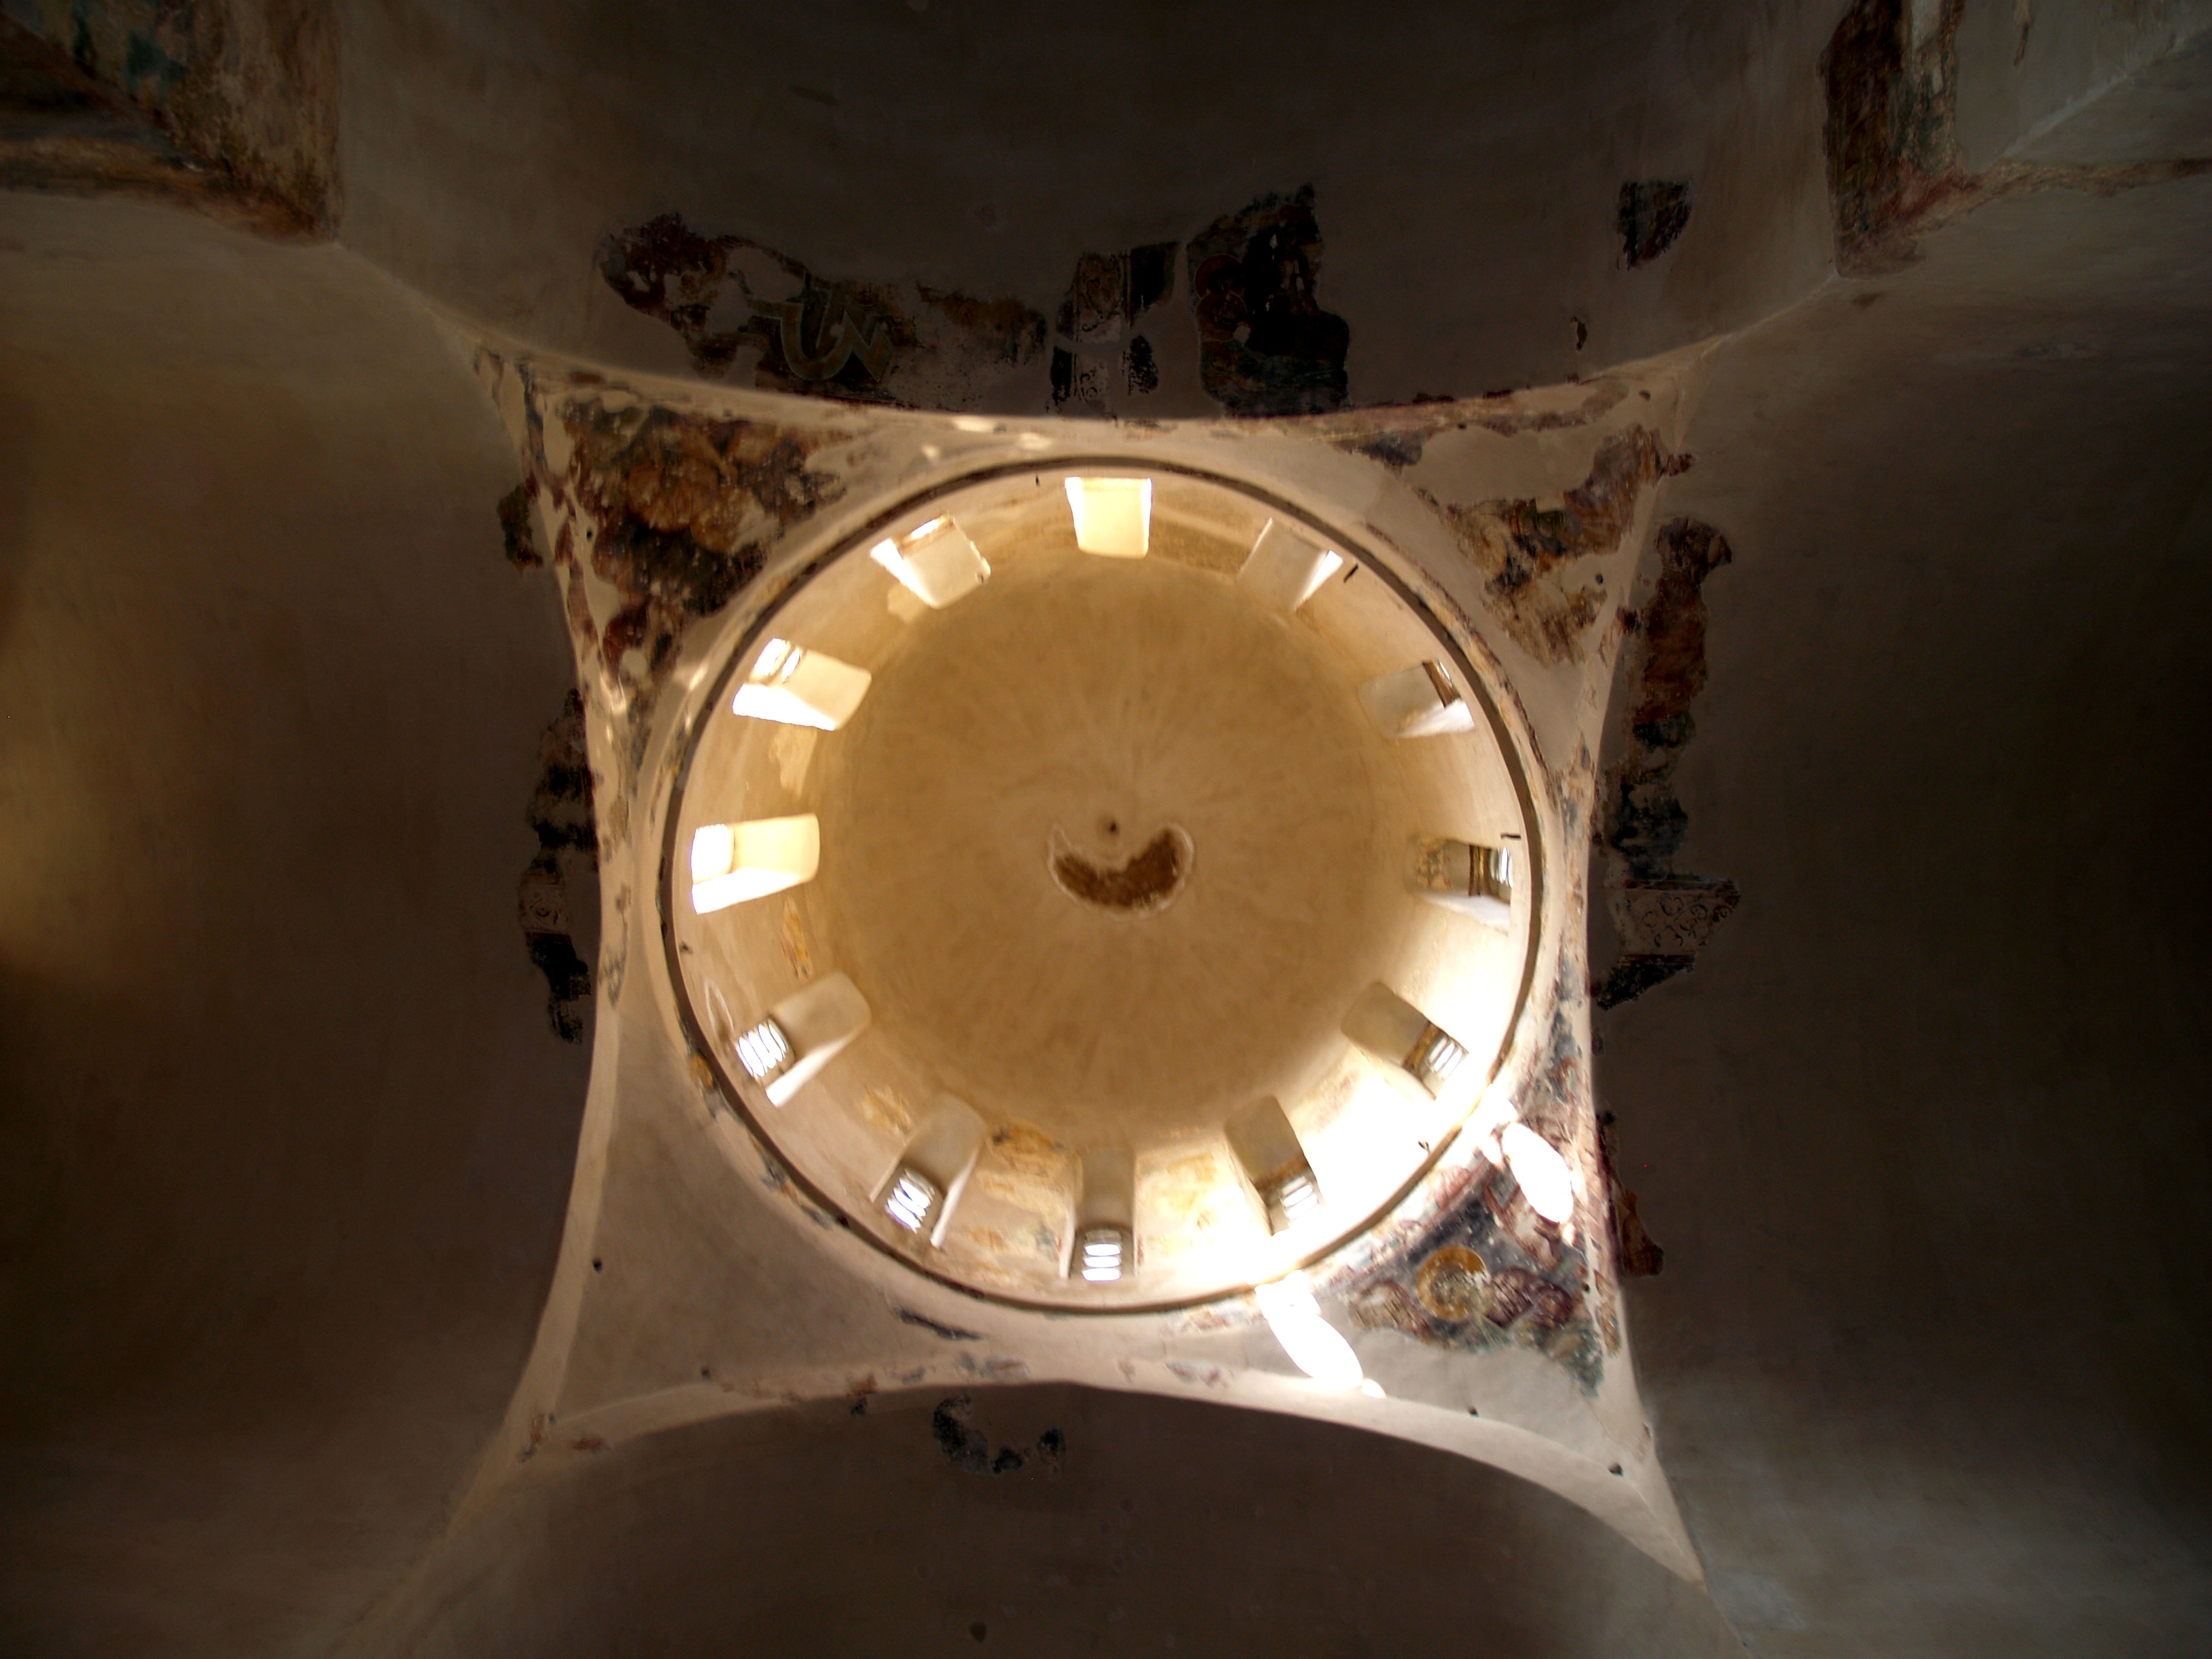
(1663, 917)
(908, 345)
(935, 1327)
(1634, 1253)
(1198, 1375)
(887, 1113)
(1895, 172)
(1148, 881)
(1525, 549)
(227, 110)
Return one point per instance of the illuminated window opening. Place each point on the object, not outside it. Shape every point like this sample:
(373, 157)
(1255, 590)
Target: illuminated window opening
(913, 1199)
(1424, 701)
(1411, 1047)
(923, 1187)
(799, 687)
(936, 564)
(765, 1052)
(1269, 1151)
(801, 1035)
(1461, 876)
(1103, 1254)
(1283, 569)
(1313, 1345)
(1104, 1234)
(733, 862)
(1541, 1173)
(1434, 1058)
(1113, 516)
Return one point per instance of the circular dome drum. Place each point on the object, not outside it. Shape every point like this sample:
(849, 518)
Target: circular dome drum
(1107, 890)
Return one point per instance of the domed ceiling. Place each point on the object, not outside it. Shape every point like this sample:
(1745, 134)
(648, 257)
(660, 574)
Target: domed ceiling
(1105, 890)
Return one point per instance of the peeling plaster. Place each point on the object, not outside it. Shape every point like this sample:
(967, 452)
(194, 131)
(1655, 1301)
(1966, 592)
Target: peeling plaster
(1525, 549)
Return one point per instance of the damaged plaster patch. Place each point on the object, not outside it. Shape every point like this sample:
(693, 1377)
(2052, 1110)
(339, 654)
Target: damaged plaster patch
(1651, 214)
(568, 852)
(969, 1448)
(1525, 551)
(905, 344)
(1663, 918)
(1266, 346)
(1895, 172)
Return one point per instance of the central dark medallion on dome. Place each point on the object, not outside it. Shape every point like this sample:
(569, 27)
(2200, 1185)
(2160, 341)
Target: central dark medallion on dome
(1138, 885)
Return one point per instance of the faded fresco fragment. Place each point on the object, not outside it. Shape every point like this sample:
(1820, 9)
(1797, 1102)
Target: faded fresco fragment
(1895, 170)
(685, 508)
(87, 110)
(1663, 918)
(1526, 551)
(248, 87)
(1266, 345)
(1098, 349)
(560, 886)
(729, 296)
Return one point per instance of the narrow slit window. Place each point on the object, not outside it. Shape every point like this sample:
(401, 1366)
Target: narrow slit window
(1435, 1056)
(1295, 1197)
(799, 687)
